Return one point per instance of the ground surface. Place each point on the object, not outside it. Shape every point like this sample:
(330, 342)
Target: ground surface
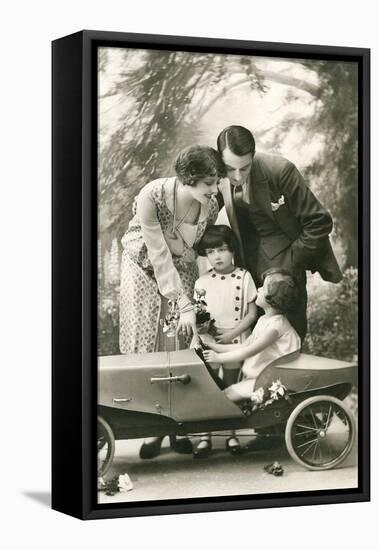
(171, 475)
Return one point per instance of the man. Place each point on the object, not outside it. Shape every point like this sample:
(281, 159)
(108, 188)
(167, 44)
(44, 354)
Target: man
(278, 220)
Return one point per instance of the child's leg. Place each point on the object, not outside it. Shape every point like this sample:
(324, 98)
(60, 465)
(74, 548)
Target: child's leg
(231, 394)
(241, 390)
(204, 446)
(230, 376)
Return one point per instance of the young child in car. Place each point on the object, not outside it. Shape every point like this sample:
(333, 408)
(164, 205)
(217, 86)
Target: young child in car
(272, 337)
(229, 293)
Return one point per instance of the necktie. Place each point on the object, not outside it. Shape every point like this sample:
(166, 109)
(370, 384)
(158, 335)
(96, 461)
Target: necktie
(238, 195)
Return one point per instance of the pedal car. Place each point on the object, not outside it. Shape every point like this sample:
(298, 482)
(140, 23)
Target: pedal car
(168, 393)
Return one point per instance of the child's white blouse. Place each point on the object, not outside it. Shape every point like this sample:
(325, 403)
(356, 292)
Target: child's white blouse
(288, 342)
(227, 296)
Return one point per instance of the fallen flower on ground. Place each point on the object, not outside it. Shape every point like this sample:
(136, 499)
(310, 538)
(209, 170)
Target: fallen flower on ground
(124, 483)
(275, 469)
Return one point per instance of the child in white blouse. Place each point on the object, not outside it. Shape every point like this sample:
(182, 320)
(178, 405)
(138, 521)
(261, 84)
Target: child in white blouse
(229, 293)
(272, 337)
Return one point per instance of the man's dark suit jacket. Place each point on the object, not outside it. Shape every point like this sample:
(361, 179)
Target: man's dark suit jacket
(280, 190)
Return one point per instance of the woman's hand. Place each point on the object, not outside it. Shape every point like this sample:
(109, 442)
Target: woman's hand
(187, 323)
(210, 356)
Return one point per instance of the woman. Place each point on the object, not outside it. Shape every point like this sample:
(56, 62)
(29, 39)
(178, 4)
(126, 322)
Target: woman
(159, 259)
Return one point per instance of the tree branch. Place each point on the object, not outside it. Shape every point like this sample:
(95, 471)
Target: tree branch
(292, 81)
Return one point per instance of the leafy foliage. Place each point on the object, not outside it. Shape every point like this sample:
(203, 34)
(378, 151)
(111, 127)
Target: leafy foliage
(167, 93)
(333, 319)
(336, 169)
(108, 321)
(333, 173)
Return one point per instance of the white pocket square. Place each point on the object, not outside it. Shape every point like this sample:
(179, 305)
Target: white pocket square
(276, 205)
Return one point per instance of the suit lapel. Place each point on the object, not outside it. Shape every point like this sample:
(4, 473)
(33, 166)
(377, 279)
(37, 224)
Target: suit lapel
(260, 192)
(265, 192)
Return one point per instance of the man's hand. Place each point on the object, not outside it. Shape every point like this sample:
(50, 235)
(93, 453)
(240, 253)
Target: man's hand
(210, 356)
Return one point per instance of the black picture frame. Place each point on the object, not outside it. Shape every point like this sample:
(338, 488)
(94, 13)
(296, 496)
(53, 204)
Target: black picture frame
(74, 332)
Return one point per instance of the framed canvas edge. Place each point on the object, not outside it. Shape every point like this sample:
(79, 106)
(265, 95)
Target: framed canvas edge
(87, 498)
(67, 221)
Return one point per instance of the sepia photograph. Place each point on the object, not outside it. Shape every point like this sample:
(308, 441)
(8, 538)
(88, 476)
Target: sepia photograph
(227, 274)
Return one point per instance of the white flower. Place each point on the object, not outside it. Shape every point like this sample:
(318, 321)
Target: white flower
(277, 389)
(124, 483)
(100, 483)
(257, 396)
(276, 205)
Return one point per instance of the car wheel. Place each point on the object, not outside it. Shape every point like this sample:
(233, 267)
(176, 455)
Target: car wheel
(320, 432)
(105, 446)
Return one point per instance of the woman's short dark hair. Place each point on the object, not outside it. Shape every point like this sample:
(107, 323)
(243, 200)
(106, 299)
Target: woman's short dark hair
(282, 291)
(238, 139)
(197, 162)
(216, 236)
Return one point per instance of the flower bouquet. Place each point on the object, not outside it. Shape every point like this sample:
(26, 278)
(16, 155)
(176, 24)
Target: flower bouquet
(263, 397)
(203, 318)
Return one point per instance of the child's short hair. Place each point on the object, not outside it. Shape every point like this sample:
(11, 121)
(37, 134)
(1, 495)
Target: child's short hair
(215, 236)
(282, 291)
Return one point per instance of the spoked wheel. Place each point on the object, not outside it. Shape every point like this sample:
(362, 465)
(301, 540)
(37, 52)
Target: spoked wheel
(105, 446)
(320, 432)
